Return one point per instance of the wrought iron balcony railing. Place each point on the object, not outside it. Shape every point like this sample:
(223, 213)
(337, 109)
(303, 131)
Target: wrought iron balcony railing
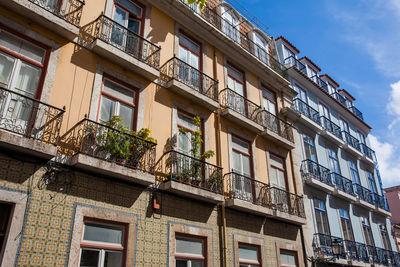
(341, 99)
(69, 10)
(294, 62)
(236, 102)
(395, 258)
(357, 112)
(274, 124)
(303, 108)
(185, 169)
(380, 201)
(190, 76)
(321, 83)
(331, 127)
(351, 140)
(250, 190)
(323, 245)
(383, 256)
(26, 116)
(311, 169)
(364, 193)
(119, 36)
(232, 32)
(356, 251)
(368, 151)
(103, 142)
(342, 183)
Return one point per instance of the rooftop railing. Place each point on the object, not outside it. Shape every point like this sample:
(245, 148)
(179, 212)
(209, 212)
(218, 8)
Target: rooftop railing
(103, 142)
(342, 183)
(303, 108)
(351, 140)
(321, 83)
(357, 112)
(69, 10)
(294, 62)
(185, 169)
(275, 124)
(119, 36)
(179, 70)
(331, 127)
(341, 99)
(232, 32)
(364, 193)
(311, 169)
(238, 103)
(28, 117)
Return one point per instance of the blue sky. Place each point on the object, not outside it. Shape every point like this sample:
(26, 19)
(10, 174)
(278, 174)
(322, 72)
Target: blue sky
(357, 43)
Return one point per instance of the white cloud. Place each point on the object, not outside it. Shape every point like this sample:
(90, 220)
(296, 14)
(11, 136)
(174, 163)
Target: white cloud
(388, 159)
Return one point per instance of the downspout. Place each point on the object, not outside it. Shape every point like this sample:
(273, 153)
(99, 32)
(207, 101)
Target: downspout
(219, 163)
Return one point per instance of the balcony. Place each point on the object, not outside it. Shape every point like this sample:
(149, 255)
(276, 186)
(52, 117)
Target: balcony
(303, 108)
(322, 245)
(381, 204)
(249, 195)
(122, 46)
(189, 82)
(276, 129)
(98, 148)
(332, 128)
(190, 177)
(295, 63)
(357, 112)
(317, 175)
(321, 83)
(240, 110)
(365, 196)
(368, 152)
(351, 141)
(341, 99)
(28, 125)
(61, 17)
(344, 187)
(356, 251)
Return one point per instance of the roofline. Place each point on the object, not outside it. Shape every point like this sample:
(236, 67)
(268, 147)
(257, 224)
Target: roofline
(311, 62)
(345, 91)
(392, 188)
(288, 43)
(330, 78)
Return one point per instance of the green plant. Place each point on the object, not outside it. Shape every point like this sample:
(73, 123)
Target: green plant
(200, 3)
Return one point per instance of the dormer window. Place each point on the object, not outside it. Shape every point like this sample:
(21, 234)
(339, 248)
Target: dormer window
(311, 72)
(230, 23)
(287, 53)
(261, 48)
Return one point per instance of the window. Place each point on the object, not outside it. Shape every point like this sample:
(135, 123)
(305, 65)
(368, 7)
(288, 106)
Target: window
(324, 111)
(118, 100)
(361, 137)
(102, 245)
(241, 164)
(321, 218)
(129, 14)
(269, 100)
(190, 252)
(354, 172)
(385, 237)
(345, 126)
(261, 48)
(5, 213)
(309, 148)
(249, 255)
(369, 238)
(288, 258)
(302, 94)
(235, 80)
(311, 72)
(333, 161)
(346, 224)
(184, 140)
(287, 52)
(190, 53)
(278, 171)
(230, 22)
(371, 182)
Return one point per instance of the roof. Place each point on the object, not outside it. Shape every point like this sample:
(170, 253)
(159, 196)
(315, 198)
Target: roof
(393, 188)
(347, 93)
(311, 62)
(330, 78)
(288, 43)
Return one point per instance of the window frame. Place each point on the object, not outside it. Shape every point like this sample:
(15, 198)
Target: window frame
(347, 221)
(142, 19)
(248, 154)
(293, 252)
(384, 236)
(303, 135)
(273, 101)
(367, 226)
(284, 170)
(259, 258)
(196, 42)
(325, 212)
(192, 257)
(354, 171)
(335, 159)
(189, 115)
(243, 82)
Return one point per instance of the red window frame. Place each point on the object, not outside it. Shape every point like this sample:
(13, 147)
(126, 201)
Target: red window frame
(258, 247)
(291, 252)
(187, 114)
(273, 101)
(127, 86)
(278, 168)
(249, 154)
(142, 18)
(43, 65)
(196, 42)
(243, 81)
(99, 245)
(203, 239)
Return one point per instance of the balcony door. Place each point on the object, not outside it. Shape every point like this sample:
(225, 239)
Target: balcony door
(368, 236)
(189, 53)
(309, 149)
(241, 165)
(230, 22)
(321, 217)
(324, 111)
(22, 68)
(236, 82)
(278, 182)
(333, 161)
(261, 48)
(129, 18)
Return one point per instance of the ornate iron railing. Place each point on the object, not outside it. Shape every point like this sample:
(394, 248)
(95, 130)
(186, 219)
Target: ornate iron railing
(323, 245)
(380, 201)
(294, 62)
(103, 142)
(331, 127)
(351, 140)
(364, 193)
(185, 169)
(321, 83)
(395, 258)
(341, 99)
(287, 202)
(29, 117)
(119, 36)
(236, 102)
(190, 76)
(303, 108)
(311, 169)
(232, 32)
(383, 256)
(362, 252)
(69, 10)
(357, 112)
(351, 249)
(342, 183)
(275, 124)
(373, 254)
(368, 151)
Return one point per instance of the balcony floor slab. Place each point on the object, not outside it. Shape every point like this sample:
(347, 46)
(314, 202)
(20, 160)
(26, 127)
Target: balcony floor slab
(282, 216)
(382, 211)
(242, 120)
(278, 139)
(249, 207)
(344, 195)
(320, 185)
(328, 135)
(365, 204)
(298, 117)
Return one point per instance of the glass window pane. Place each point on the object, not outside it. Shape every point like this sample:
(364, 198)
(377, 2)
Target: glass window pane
(6, 66)
(181, 263)
(276, 161)
(32, 51)
(240, 145)
(248, 253)
(187, 122)
(113, 259)
(119, 91)
(236, 162)
(246, 165)
(237, 74)
(22, 47)
(103, 233)
(134, 25)
(197, 263)
(189, 44)
(184, 142)
(132, 7)
(126, 114)
(189, 246)
(27, 80)
(89, 258)
(288, 259)
(106, 109)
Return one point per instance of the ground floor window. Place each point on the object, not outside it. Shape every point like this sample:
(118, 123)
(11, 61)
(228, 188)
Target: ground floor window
(288, 258)
(249, 255)
(190, 251)
(5, 213)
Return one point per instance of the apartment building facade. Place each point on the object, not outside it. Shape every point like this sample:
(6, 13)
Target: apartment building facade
(343, 190)
(78, 188)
